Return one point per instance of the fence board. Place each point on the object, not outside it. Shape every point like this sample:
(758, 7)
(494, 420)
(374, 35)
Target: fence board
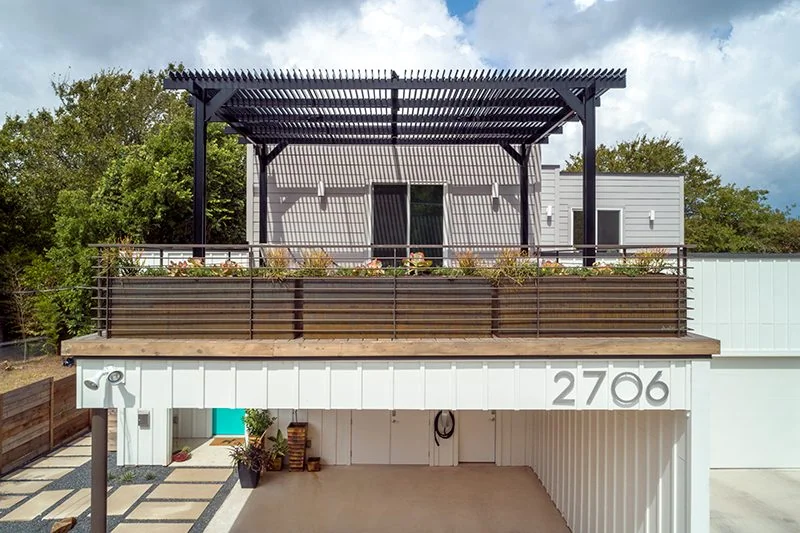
(37, 418)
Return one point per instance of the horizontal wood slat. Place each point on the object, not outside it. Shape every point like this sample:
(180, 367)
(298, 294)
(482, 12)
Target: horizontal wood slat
(37, 418)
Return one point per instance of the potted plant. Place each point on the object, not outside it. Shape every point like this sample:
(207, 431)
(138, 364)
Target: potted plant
(248, 460)
(184, 454)
(279, 449)
(256, 424)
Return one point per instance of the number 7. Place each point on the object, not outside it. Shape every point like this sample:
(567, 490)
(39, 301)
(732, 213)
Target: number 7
(599, 375)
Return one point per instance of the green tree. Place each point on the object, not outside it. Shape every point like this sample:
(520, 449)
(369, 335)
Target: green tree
(718, 217)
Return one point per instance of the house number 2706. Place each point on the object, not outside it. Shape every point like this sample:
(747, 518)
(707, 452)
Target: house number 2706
(656, 390)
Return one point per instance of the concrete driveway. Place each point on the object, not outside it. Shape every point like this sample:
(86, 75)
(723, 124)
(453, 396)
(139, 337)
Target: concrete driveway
(749, 501)
(389, 499)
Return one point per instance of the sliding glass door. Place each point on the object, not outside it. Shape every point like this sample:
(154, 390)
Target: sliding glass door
(392, 208)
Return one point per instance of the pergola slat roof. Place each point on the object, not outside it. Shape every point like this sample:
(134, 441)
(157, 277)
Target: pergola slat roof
(383, 107)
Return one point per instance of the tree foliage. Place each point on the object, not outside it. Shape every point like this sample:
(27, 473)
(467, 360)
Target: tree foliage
(113, 160)
(718, 217)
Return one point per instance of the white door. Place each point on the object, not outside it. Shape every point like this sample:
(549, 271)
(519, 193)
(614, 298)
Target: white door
(410, 436)
(476, 436)
(370, 438)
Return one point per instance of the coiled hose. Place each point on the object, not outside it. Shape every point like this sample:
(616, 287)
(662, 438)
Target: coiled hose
(443, 427)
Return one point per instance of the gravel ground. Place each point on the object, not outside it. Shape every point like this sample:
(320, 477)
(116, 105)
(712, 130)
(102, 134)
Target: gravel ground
(81, 478)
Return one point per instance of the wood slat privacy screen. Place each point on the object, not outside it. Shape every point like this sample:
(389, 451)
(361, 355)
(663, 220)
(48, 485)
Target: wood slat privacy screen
(37, 418)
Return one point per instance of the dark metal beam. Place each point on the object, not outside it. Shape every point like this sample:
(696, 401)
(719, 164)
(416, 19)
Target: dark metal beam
(99, 491)
(512, 152)
(524, 207)
(438, 140)
(589, 178)
(219, 100)
(292, 131)
(199, 183)
(572, 101)
(611, 82)
(264, 159)
(254, 119)
(240, 102)
(395, 109)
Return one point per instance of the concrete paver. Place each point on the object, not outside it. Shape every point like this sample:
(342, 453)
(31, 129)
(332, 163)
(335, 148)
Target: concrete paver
(35, 506)
(208, 475)
(22, 487)
(136, 527)
(39, 474)
(85, 441)
(72, 506)
(184, 491)
(167, 511)
(73, 451)
(61, 462)
(124, 497)
(10, 501)
(745, 501)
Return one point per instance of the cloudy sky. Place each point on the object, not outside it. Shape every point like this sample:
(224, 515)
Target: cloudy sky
(721, 75)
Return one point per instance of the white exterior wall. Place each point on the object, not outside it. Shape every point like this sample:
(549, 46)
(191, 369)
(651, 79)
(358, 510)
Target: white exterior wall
(751, 303)
(139, 446)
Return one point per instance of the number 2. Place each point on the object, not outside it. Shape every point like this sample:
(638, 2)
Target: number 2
(562, 399)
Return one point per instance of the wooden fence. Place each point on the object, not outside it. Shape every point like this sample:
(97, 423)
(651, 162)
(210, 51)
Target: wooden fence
(37, 418)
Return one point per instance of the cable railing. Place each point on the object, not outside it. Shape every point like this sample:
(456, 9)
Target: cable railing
(291, 291)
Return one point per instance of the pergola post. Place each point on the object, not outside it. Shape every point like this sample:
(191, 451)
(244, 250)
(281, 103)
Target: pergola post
(264, 159)
(99, 469)
(589, 178)
(199, 183)
(524, 199)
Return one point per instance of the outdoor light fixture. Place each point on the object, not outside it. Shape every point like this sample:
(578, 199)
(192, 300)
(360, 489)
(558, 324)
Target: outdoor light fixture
(652, 215)
(495, 191)
(321, 189)
(113, 376)
(549, 211)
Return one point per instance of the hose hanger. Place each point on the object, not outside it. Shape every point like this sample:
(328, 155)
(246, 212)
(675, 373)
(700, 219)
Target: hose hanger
(444, 425)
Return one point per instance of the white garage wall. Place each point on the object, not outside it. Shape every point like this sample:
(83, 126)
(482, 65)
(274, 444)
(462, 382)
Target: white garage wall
(144, 446)
(612, 471)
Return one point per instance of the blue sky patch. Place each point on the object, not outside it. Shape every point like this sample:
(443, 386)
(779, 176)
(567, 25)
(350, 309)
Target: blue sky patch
(460, 8)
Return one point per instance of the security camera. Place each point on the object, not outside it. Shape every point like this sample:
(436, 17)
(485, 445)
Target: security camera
(113, 376)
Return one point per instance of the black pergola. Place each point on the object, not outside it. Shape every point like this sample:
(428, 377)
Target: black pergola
(513, 109)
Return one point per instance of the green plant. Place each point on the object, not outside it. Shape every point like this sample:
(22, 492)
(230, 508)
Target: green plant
(468, 263)
(194, 267)
(653, 261)
(315, 263)
(278, 261)
(127, 476)
(258, 421)
(149, 476)
(252, 457)
(552, 268)
(280, 446)
(228, 269)
(416, 263)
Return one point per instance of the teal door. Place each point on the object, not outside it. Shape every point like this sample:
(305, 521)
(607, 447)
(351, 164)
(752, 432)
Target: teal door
(227, 421)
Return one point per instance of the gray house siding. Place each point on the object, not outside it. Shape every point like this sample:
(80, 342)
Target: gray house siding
(636, 196)
(297, 216)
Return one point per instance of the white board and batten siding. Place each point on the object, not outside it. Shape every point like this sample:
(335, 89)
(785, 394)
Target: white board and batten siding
(425, 385)
(751, 303)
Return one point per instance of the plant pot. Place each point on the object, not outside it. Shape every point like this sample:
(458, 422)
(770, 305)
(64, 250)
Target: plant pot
(296, 435)
(275, 464)
(181, 456)
(313, 464)
(248, 479)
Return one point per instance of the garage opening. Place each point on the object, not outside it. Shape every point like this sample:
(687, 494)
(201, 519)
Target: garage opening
(593, 470)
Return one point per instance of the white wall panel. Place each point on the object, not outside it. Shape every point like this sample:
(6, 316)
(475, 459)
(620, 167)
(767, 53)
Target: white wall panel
(611, 471)
(751, 303)
(433, 385)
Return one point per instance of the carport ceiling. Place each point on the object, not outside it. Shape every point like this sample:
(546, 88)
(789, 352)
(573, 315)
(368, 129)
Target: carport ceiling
(384, 107)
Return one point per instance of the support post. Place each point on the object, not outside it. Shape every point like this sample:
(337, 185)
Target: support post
(589, 178)
(699, 478)
(199, 184)
(524, 199)
(99, 469)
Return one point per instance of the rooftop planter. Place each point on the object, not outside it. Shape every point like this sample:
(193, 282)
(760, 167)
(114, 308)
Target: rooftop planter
(514, 296)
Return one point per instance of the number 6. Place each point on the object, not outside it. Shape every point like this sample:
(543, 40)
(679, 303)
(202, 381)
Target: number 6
(657, 384)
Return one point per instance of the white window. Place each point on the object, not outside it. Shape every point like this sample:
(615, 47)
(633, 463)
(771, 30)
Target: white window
(608, 227)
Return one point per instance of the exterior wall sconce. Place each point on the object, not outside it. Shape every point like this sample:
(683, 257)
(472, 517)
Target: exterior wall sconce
(495, 191)
(549, 211)
(652, 215)
(321, 189)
